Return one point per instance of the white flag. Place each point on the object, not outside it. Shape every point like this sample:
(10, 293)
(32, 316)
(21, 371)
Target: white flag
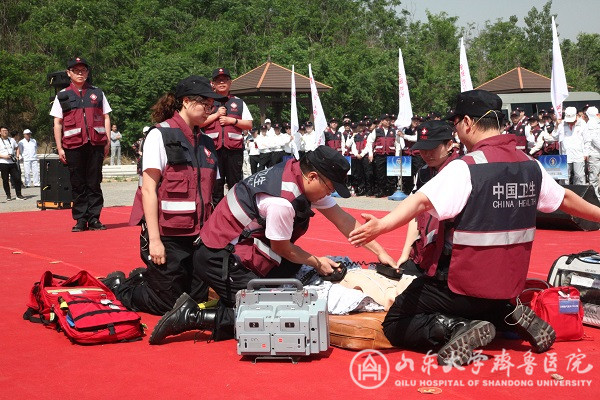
(318, 114)
(404, 107)
(294, 119)
(465, 75)
(558, 82)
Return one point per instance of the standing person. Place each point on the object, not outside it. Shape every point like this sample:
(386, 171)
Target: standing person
(230, 117)
(334, 138)
(9, 159)
(309, 137)
(31, 166)
(362, 173)
(81, 122)
(263, 143)
(179, 170)
(383, 142)
(252, 233)
(253, 152)
(115, 145)
(492, 235)
(593, 132)
(138, 148)
(572, 137)
(278, 143)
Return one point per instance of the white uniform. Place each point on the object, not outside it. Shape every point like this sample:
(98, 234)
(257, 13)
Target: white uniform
(28, 149)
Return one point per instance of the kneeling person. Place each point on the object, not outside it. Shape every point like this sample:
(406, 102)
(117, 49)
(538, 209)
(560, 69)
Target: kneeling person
(251, 235)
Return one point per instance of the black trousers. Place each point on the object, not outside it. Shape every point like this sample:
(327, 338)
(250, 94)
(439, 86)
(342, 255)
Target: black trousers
(277, 157)
(13, 171)
(208, 267)
(383, 183)
(265, 161)
(85, 169)
(230, 169)
(254, 160)
(410, 321)
(362, 173)
(161, 285)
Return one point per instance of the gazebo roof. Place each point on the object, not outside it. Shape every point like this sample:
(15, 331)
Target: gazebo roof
(272, 78)
(517, 80)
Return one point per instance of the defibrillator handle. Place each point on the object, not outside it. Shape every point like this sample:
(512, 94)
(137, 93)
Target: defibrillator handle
(261, 283)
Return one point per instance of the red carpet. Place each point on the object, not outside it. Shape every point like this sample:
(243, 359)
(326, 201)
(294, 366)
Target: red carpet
(40, 363)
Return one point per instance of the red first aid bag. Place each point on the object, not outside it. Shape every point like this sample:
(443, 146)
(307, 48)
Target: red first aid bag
(83, 308)
(561, 307)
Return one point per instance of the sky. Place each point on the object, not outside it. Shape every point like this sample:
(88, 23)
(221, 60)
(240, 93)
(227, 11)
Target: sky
(573, 16)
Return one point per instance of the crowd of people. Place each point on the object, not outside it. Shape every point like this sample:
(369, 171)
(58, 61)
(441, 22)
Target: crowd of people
(194, 235)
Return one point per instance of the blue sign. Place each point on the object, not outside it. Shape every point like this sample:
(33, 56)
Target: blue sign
(556, 166)
(395, 167)
(349, 162)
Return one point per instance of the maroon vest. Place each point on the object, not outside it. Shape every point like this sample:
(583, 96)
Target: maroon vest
(83, 118)
(334, 140)
(385, 144)
(536, 133)
(185, 189)
(494, 232)
(228, 136)
(427, 249)
(360, 141)
(237, 216)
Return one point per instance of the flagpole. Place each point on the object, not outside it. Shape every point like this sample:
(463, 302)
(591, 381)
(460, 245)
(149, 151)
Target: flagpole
(294, 119)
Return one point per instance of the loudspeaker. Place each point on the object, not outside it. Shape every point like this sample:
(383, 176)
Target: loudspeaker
(55, 181)
(559, 220)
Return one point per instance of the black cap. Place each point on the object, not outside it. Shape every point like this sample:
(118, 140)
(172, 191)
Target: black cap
(354, 125)
(77, 60)
(533, 117)
(361, 123)
(334, 119)
(220, 71)
(308, 123)
(301, 127)
(263, 127)
(332, 165)
(431, 133)
(476, 103)
(416, 117)
(514, 113)
(519, 109)
(436, 114)
(393, 116)
(196, 86)
(276, 126)
(384, 116)
(346, 116)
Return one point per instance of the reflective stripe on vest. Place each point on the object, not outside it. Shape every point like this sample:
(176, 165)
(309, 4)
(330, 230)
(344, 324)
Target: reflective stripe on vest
(72, 132)
(291, 187)
(267, 250)
(478, 157)
(493, 238)
(213, 135)
(168, 205)
(430, 236)
(100, 130)
(236, 209)
(234, 135)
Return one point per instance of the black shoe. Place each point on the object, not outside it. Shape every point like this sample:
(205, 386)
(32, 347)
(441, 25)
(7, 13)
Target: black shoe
(8, 198)
(137, 273)
(532, 328)
(20, 197)
(96, 225)
(113, 280)
(185, 316)
(80, 226)
(464, 337)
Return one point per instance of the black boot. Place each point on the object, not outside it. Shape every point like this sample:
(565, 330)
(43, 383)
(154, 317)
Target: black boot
(113, 280)
(532, 328)
(185, 316)
(137, 273)
(463, 336)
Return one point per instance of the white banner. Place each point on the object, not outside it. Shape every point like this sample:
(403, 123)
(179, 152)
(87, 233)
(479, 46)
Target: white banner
(558, 85)
(320, 122)
(465, 74)
(294, 119)
(404, 107)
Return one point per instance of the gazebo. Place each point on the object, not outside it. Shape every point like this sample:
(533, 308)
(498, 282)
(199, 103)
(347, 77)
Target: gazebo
(523, 88)
(271, 84)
